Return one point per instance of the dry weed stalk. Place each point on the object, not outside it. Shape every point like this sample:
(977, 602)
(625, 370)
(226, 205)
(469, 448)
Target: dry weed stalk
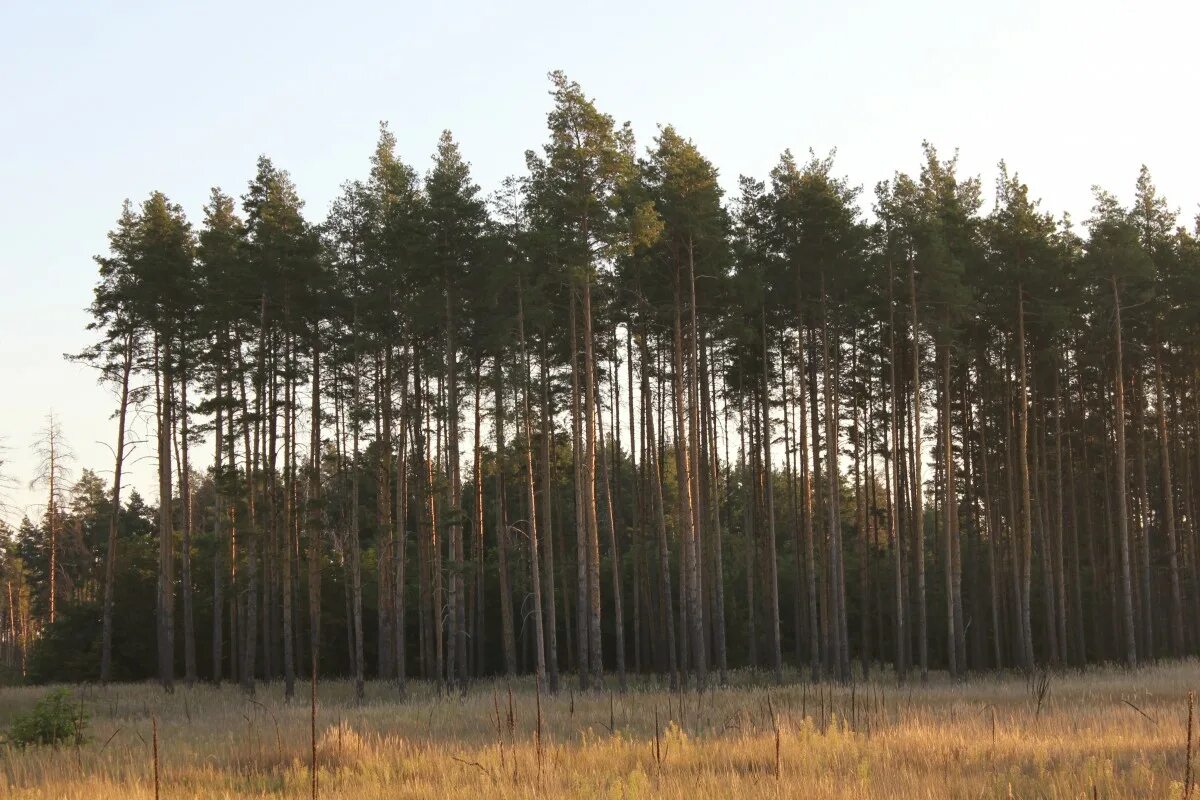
(154, 738)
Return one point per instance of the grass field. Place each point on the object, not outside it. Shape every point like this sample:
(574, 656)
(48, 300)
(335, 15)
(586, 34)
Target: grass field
(1106, 734)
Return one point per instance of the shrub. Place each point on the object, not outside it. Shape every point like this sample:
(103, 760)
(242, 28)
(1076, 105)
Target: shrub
(52, 721)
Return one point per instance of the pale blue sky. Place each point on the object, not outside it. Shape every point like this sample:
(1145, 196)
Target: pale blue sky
(103, 101)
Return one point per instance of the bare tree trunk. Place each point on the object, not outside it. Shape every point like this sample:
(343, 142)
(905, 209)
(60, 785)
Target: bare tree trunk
(480, 524)
(993, 532)
(918, 501)
(434, 552)
(185, 494)
(1026, 529)
(114, 517)
(638, 532)
(531, 492)
(949, 502)
(695, 470)
(425, 615)
(399, 541)
(1121, 512)
(664, 556)
(689, 596)
(315, 517)
(289, 655)
(502, 541)
(219, 512)
(166, 595)
(614, 550)
(581, 532)
(894, 530)
(839, 625)
(769, 489)
(355, 514)
(384, 554)
(1146, 646)
(1168, 506)
(549, 593)
(708, 412)
(861, 497)
(1059, 559)
(595, 640)
(457, 656)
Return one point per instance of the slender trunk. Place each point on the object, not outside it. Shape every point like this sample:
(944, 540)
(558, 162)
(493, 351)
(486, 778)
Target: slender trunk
(399, 541)
(166, 572)
(614, 552)
(861, 496)
(315, 517)
(1060, 581)
(114, 516)
(1121, 511)
(1146, 646)
(456, 656)
(355, 515)
(695, 471)
(1168, 508)
(219, 485)
(531, 492)
(502, 540)
(949, 501)
(769, 481)
(692, 627)
(427, 616)
(664, 557)
(581, 534)
(1026, 529)
(992, 534)
(549, 592)
(918, 488)
(839, 627)
(185, 494)
(595, 641)
(708, 411)
(480, 524)
(289, 655)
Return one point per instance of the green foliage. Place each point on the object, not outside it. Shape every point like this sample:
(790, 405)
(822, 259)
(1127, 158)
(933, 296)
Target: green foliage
(54, 719)
(69, 650)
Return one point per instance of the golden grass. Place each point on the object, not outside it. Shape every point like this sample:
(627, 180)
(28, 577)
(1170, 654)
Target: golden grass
(1107, 733)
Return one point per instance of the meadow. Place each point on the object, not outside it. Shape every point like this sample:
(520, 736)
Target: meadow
(1105, 733)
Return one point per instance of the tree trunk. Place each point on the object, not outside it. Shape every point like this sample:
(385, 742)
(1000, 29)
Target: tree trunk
(315, 517)
(355, 544)
(1168, 507)
(581, 533)
(531, 493)
(166, 579)
(949, 501)
(614, 552)
(549, 592)
(839, 627)
(1121, 512)
(114, 517)
(664, 556)
(456, 656)
(918, 501)
(1026, 529)
(502, 541)
(595, 641)
(769, 481)
(185, 494)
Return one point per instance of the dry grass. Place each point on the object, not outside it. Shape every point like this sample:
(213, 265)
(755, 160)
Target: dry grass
(1106, 734)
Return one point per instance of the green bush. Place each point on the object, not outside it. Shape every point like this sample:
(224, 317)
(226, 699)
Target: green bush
(52, 721)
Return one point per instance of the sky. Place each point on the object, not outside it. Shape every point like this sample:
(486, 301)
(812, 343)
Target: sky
(103, 101)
